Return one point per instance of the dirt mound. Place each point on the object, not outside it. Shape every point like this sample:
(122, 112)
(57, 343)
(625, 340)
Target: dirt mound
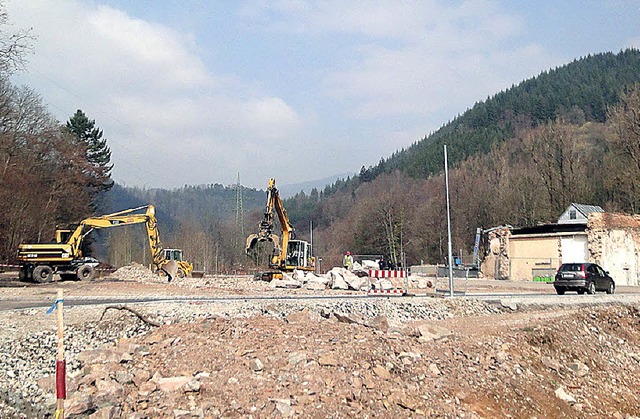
(136, 272)
(566, 363)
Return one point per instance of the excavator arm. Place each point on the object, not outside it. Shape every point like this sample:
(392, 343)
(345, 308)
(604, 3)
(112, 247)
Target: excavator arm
(265, 233)
(121, 218)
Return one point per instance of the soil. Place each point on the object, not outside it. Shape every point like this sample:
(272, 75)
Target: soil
(563, 361)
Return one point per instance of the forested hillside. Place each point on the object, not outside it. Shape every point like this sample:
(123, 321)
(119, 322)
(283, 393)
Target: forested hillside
(519, 158)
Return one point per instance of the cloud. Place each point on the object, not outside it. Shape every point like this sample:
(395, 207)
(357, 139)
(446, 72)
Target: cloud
(169, 120)
(408, 57)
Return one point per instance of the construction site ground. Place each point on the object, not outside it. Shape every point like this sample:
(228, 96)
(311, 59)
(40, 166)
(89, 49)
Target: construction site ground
(325, 354)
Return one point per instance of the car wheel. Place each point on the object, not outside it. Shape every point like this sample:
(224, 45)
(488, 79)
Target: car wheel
(560, 291)
(611, 288)
(43, 273)
(591, 288)
(580, 292)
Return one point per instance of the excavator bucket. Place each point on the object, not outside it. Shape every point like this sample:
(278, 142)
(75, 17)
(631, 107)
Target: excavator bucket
(252, 240)
(171, 269)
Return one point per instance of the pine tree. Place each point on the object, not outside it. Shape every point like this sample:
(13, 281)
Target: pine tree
(97, 151)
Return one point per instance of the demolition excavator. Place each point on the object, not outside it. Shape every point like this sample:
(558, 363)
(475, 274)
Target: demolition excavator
(288, 254)
(64, 256)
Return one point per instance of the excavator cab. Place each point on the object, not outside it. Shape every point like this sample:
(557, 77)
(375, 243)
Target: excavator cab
(299, 255)
(172, 254)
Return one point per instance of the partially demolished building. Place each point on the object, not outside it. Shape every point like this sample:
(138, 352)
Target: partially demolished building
(583, 234)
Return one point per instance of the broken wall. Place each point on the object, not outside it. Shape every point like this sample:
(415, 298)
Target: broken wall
(614, 244)
(496, 261)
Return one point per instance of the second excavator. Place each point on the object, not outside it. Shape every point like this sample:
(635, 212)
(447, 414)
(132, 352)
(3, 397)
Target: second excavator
(64, 256)
(288, 254)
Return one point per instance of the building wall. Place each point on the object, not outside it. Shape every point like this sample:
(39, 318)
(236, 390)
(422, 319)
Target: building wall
(614, 244)
(532, 256)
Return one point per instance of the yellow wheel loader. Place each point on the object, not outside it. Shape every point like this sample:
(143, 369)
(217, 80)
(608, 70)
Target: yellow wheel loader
(39, 262)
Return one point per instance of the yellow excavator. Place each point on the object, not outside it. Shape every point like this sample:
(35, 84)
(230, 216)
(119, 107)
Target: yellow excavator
(288, 254)
(64, 256)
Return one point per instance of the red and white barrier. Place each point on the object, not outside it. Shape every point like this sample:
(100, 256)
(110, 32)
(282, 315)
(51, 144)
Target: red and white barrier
(397, 292)
(386, 273)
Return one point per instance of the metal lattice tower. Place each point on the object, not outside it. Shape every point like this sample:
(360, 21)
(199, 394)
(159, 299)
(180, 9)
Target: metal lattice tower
(239, 209)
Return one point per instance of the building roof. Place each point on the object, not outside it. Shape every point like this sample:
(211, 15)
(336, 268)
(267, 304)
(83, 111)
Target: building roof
(587, 209)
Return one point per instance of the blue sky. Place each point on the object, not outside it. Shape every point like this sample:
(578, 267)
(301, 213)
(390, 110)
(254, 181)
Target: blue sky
(195, 92)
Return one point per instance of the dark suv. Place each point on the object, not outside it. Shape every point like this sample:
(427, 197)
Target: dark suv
(583, 277)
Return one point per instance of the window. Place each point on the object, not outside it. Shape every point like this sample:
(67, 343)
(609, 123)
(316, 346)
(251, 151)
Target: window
(572, 214)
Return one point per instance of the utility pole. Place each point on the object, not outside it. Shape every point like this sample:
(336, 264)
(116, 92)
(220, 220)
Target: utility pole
(446, 181)
(239, 209)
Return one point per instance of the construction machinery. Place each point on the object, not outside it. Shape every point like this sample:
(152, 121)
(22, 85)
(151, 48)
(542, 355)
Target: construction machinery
(288, 254)
(64, 256)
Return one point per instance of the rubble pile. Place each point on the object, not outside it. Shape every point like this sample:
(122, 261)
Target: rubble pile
(311, 361)
(27, 359)
(136, 272)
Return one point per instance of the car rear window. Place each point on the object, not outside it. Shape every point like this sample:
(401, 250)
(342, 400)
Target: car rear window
(571, 267)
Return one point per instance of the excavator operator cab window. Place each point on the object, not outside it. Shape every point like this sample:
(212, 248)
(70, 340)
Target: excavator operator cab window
(298, 253)
(173, 254)
(62, 236)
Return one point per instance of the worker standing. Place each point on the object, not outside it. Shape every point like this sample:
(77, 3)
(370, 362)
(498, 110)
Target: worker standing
(347, 262)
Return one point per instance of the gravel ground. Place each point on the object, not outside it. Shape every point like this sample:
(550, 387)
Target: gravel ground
(477, 358)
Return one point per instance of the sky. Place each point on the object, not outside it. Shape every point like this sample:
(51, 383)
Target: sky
(192, 92)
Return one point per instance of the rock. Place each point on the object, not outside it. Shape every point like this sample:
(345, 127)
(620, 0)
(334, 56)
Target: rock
(551, 363)
(328, 360)
(578, 368)
(256, 365)
(79, 404)
(434, 370)
(283, 406)
(303, 316)
(379, 323)
(99, 356)
(171, 384)
(107, 412)
(124, 377)
(382, 372)
(192, 386)
(146, 388)
(349, 318)
(429, 332)
(296, 358)
(339, 283)
(563, 395)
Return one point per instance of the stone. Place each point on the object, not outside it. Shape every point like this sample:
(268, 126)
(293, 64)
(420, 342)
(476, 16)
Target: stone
(296, 358)
(578, 368)
(256, 365)
(328, 360)
(429, 332)
(382, 372)
(563, 395)
(434, 370)
(171, 384)
(551, 363)
(124, 377)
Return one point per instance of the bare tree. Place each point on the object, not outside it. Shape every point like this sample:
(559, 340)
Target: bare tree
(14, 46)
(623, 174)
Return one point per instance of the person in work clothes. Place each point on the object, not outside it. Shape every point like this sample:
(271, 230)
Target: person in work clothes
(347, 262)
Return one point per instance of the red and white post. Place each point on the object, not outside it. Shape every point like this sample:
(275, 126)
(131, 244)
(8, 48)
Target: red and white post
(61, 367)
